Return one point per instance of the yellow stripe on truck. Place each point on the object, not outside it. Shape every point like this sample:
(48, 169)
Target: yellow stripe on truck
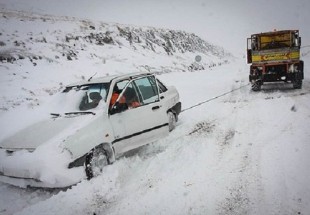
(275, 56)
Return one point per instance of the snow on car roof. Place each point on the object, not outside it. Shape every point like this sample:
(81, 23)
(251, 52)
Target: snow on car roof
(108, 79)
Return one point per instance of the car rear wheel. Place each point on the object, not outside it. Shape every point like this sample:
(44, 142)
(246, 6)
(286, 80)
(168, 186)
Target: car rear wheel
(95, 161)
(172, 120)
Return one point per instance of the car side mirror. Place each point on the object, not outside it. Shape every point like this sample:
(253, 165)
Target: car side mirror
(118, 108)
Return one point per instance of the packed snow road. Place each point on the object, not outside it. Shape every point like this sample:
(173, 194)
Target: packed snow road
(243, 153)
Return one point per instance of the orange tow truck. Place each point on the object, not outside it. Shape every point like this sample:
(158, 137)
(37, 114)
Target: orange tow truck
(275, 56)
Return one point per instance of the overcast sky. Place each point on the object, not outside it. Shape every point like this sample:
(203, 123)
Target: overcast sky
(225, 23)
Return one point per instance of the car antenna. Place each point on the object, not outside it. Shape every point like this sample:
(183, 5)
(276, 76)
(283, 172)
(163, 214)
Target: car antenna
(92, 76)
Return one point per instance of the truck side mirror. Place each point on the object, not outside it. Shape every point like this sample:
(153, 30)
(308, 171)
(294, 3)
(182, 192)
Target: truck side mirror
(249, 55)
(299, 42)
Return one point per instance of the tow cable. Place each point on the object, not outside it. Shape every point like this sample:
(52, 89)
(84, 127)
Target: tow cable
(216, 97)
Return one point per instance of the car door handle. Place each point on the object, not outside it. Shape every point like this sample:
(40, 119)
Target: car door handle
(155, 107)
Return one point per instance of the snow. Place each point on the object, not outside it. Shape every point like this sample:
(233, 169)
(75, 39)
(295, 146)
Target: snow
(242, 153)
(235, 155)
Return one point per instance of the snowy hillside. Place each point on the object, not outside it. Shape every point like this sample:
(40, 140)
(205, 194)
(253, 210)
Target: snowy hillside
(241, 153)
(62, 50)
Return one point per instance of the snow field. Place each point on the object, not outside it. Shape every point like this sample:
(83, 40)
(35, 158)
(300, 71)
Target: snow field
(238, 154)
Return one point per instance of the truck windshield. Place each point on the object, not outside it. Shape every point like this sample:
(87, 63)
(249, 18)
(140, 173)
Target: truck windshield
(275, 40)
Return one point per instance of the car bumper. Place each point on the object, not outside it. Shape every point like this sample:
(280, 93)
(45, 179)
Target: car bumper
(32, 172)
(22, 178)
(23, 182)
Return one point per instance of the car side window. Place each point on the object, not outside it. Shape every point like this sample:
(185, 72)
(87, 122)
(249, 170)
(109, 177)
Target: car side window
(117, 90)
(131, 96)
(148, 89)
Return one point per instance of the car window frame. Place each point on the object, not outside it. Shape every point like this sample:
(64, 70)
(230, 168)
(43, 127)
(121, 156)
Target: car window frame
(156, 90)
(162, 88)
(138, 91)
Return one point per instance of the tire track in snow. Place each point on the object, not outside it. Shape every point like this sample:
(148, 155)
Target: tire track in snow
(251, 193)
(237, 152)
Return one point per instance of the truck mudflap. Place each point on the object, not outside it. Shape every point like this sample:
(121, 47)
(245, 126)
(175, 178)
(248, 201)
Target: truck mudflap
(254, 77)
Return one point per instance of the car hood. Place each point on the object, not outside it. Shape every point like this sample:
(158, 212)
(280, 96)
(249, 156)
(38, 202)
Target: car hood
(49, 130)
(55, 142)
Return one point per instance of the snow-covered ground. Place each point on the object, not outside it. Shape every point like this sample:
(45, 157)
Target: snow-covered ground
(242, 153)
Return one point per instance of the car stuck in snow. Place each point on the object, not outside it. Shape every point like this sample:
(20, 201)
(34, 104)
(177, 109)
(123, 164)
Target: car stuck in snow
(100, 119)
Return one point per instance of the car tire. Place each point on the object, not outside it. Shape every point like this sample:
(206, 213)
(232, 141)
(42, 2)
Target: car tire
(172, 121)
(95, 161)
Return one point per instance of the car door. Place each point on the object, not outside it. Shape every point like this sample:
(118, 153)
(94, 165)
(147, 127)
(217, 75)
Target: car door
(143, 122)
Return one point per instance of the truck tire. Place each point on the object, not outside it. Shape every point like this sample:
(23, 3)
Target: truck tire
(297, 82)
(256, 86)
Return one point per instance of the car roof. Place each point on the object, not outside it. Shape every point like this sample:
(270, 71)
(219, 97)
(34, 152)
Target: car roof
(108, 79)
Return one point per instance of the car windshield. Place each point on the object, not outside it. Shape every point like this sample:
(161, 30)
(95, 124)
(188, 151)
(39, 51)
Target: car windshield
(81, 98)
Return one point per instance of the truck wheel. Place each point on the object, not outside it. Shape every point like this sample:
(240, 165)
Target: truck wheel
(172, 120)
(95, 161)
(297, 82)
(256, 86)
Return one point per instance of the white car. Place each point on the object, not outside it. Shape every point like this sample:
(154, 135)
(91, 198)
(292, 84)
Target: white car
(100, 119)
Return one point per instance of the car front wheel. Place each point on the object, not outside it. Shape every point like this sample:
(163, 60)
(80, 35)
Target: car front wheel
(95, 161)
